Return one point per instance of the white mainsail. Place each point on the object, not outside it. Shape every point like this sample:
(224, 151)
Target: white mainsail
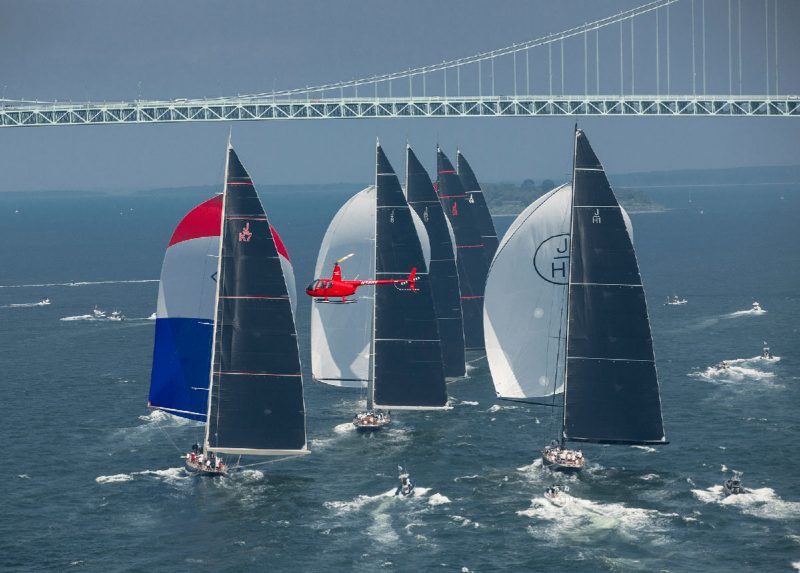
(524, 310)
(341, 333)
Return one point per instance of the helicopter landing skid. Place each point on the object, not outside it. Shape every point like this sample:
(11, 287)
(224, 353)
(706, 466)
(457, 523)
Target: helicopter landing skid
(323, 301)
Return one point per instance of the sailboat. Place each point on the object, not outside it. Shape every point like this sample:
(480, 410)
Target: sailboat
(471, 260)
(226, 349)
(478, 205)
(387, 343)
(422, 199)
(570, 329)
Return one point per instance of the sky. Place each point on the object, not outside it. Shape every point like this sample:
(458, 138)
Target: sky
(112, 50)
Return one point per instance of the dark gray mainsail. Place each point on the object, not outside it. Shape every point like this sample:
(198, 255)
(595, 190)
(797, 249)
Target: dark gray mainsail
(256, 392)
(477, 203)
(407, 361)
(442, 269)
(611, 390)
(471, 261)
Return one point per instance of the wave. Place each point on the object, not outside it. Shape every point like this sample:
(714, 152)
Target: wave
(339, 431)
(762, 502)
(465, 521)
(437, 499)
(647, 449)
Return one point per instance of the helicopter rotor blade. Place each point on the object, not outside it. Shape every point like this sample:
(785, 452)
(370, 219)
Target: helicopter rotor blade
(344, 258)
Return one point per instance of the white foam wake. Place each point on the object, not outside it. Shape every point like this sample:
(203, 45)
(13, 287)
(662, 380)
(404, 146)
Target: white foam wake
(732, 373)
(25, 304)
(82, 283)
(761, 502)
(748, 312)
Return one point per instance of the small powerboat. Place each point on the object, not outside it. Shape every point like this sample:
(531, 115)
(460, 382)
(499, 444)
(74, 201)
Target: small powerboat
(757, 307)
(766, 354)
(675, 300)
(733, 485)
(555, 493)
(406, 486)
(116, 315)
(97, 313)
(44, 302)
(371, 421)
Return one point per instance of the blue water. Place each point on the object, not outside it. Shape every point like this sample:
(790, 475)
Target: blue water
(92, 479)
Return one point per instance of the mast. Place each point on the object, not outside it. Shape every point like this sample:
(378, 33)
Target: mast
(569, 281)
(216, 294)
(371, 377)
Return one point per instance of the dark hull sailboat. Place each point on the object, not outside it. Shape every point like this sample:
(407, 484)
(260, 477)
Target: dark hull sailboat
(387, 343)
(226, 346)
(442, 268)
(571, 330)
(471, 259)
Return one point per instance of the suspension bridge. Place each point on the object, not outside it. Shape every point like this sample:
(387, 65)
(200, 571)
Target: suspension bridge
(588, 70)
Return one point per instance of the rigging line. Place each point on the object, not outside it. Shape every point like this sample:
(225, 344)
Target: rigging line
(694, 65)
(597, 61)
(776, 47)
(766, 42)
(669, 91)
(740, 47)
(586, 66)
(621, 69)
(528, 71)
(515, 74)
(633, 69)
(703, 25)
(730, 51)
(542, 40)
(171, 441)
(562, 67)
(550, 66)
(658, 70)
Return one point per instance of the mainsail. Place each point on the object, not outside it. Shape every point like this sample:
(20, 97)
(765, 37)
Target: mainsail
(442, 268)
(611, 391)
(477, 203)
(185, 312)
(407, 363)
(255, 401)
(524, 313)
(471, 261)
(341, 335)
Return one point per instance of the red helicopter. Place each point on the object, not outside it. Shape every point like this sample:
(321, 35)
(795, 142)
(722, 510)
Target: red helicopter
(324, 289)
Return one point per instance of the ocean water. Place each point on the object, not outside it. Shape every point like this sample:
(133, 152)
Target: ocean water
(92, 480)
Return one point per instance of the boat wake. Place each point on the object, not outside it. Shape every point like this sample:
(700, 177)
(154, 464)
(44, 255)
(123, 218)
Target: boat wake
(339, 431)
(733, 373)
(762, 502)
(82, 283)
(583, 520)
(26, 304)
(170, 475)
(363, 502)
(748, 312)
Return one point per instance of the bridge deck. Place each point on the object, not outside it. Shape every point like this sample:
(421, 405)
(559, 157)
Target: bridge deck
(251, 109)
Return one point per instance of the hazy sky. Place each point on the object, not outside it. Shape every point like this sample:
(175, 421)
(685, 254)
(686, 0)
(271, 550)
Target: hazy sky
(113, 50)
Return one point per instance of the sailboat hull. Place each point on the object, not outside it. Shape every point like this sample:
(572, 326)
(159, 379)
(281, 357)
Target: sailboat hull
(195, 468)
(550, 461)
